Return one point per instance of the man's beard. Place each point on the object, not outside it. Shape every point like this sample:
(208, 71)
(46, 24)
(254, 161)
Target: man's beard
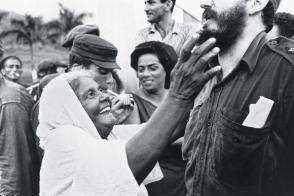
(230, 25)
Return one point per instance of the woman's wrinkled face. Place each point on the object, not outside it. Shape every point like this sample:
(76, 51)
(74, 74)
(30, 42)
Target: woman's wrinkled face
(12, 69)
(97, 104)
(151, 73)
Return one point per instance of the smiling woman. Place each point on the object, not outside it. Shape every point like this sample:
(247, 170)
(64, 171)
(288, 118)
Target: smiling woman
(153, 62)
(74, 117)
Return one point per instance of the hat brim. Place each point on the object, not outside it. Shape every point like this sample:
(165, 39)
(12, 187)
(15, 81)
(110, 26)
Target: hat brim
(106, 65)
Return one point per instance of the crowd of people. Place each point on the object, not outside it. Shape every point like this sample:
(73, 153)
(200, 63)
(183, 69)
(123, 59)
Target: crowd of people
(212, 115)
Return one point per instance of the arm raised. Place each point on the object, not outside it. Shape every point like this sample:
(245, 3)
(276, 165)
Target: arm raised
(188, 78)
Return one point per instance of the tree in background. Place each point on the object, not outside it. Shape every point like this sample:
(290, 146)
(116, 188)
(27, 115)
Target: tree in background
(27, 31)
(67, 20)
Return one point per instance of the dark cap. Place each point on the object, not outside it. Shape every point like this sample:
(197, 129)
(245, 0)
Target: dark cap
(78, 30)
(276, 4)
(46, 64)
(99, 51)
(165, 53)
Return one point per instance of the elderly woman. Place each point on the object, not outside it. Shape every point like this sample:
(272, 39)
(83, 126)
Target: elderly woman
(81, 154)
(153, 62)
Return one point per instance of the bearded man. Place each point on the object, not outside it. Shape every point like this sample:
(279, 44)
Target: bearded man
(240, 135)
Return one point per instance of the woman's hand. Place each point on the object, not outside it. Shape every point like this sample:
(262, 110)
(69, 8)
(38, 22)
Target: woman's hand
(190, 73)
(122, 107)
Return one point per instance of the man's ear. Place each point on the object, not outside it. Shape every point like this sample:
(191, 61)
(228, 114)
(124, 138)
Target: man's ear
(169, 4)
(256, 6)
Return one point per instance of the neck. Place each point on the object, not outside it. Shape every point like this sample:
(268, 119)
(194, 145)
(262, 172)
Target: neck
(165, 25)
(155, 97)
(230, 58)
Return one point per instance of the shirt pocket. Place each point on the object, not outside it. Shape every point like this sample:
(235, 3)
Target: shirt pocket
(240, 152)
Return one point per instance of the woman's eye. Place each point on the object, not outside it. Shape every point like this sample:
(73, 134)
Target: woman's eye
(91, 94)
(140, 69)
(153, 68)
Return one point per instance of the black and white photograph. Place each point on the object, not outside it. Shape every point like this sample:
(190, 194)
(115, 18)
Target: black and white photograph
(147, 98)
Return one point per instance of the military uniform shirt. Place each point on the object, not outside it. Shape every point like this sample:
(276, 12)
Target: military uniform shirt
(226, 158)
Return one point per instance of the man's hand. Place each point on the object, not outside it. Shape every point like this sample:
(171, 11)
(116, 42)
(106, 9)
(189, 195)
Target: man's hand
(189, 75)
(122, 107)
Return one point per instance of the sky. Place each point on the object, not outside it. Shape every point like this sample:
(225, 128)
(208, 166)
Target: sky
(49, 8)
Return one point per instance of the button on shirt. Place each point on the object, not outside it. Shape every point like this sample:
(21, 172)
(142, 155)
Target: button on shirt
(226, 158)
(180, 33)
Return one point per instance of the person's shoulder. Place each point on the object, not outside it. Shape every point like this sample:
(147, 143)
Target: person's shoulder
(283, 47)
(11, 92)
(144, 30)
(189, 26)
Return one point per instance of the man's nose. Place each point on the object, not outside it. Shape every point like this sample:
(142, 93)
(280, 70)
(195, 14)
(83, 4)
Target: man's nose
(205, 3)
(109, 79)
(147, 7)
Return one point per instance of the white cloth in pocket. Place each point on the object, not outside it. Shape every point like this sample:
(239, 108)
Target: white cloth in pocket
(258, 113)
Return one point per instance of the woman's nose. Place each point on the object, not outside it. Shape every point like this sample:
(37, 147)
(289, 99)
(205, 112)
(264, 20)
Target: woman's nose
(146, 72)
(104, 97)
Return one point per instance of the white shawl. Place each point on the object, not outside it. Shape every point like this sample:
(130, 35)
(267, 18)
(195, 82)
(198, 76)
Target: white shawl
(76, 160)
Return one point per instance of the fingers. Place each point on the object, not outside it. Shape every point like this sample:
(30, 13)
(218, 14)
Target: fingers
(114, 100)
(202, 49)
(202, 62)
(211, 72)
(187, 48)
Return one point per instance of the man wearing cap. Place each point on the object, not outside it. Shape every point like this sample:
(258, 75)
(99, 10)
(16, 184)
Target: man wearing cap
(163, 27)
(91, 30)
(239, 139)
(79, 30)
(19, 164)
(97, 54)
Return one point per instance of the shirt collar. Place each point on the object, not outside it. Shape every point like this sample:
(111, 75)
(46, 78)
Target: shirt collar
(175, 30)
(252, 53)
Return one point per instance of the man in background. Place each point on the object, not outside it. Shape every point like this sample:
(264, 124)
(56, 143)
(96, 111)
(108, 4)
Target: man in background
(19, 163)
(283, 26)
(162, 25)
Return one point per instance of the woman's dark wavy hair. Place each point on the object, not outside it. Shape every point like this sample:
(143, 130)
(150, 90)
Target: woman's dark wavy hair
(165, 53)
(2, 62)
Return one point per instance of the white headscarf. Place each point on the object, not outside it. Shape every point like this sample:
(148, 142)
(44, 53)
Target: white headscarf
(60, 106)
(76, 160)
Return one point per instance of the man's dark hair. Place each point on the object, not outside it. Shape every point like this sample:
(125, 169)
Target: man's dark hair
(3, 61)
(268, 14)
(285, 23)
(76, 59)
(174, 3)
